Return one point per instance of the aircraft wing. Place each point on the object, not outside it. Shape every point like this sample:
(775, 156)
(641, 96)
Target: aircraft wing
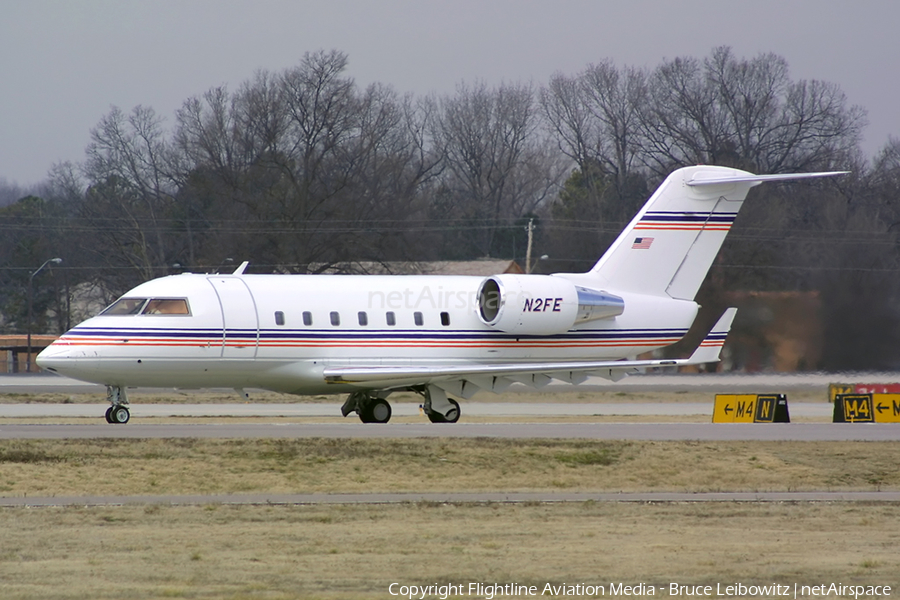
(465, 380)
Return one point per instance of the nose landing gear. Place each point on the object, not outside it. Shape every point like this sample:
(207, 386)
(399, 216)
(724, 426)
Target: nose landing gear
(117, 413)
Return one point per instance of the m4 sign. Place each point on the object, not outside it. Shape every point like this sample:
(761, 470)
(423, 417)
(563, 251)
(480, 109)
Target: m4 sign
(867, 408)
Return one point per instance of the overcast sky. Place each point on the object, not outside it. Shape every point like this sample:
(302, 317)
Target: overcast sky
(64, 63)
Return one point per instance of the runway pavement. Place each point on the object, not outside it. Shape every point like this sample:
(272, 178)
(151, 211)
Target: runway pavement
(400, 409)
(352, 428)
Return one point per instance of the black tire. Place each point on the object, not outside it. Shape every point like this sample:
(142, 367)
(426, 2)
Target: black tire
(380, 411)
(119, 415)
(377, 410)
(451, 417)
(109, 415)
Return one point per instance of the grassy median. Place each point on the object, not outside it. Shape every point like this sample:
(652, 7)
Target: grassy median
(201, 466)
(281, 552)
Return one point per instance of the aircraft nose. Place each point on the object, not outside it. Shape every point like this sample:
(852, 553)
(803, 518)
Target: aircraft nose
(70, 361)
(55, 357)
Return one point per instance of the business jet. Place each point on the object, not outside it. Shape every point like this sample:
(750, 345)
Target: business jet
(439, 336)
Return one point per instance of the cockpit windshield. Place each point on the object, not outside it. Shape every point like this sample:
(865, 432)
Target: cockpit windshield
(148, 306)
(166, 306)
(125, 306)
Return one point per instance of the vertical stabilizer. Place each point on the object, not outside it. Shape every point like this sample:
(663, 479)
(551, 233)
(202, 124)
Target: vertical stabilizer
(668, 248)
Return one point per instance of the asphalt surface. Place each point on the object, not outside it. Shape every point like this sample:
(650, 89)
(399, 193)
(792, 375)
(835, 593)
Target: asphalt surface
(404, 409)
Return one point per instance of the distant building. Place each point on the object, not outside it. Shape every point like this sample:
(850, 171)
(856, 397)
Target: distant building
(776, 331)
(14, 351)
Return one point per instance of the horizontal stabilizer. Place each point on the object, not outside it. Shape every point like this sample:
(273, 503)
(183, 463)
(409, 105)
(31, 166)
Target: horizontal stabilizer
(699, 180)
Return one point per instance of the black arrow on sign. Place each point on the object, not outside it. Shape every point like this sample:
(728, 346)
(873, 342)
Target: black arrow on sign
(728, 409)
(881, 407)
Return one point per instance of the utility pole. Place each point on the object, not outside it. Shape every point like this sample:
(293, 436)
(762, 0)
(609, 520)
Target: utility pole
(30, 309)
(530, 230)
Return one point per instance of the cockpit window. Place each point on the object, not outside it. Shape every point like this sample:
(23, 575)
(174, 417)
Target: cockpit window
(166, 306)
(125, 306)
(148, 306)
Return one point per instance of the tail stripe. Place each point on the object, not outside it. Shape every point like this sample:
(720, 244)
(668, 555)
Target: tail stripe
(685, 221)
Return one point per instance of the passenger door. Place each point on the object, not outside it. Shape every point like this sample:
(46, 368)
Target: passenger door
(240, 321)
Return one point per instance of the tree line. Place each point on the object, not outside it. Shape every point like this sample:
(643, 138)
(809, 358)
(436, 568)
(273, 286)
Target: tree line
(305, 171)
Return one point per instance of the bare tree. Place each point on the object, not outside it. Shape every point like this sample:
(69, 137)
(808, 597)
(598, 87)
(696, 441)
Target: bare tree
(565, 109)
(131, 192)
(303, 169)
(683, 122)
(596, 117)
(496, 165)
(747, 114)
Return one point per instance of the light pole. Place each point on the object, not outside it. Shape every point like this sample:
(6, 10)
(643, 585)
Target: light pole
(30, 305)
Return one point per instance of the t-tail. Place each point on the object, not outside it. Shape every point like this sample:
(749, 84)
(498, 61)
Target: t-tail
(668, 248)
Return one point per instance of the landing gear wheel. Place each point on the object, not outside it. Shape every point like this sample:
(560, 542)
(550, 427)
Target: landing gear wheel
(380, 411)
(376, 411)
(118, 412)
(119, 415)
(452, 415)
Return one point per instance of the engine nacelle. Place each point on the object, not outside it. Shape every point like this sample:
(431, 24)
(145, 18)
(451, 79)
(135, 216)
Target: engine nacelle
(541, 304)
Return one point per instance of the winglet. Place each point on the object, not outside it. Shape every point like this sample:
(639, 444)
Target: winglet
(711, 347)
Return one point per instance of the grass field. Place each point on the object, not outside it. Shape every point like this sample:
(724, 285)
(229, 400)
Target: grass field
(258, 552)
(194, 466)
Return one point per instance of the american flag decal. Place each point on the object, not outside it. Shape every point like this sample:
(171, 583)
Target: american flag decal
(642, 243)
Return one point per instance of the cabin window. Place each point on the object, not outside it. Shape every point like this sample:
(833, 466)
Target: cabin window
(363, 318)
(307, 318)
(418, 318)
(279, 317)
(125, 306)
(166, 306)
(390, 318)
(445, 319)
(335, 318)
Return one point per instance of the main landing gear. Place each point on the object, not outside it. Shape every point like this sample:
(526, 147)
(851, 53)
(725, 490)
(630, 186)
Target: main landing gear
(372, 407)
(118, 412)
(438, 407)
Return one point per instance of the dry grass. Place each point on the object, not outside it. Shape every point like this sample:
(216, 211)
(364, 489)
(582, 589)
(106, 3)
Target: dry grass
(192, 466)
(253, 552)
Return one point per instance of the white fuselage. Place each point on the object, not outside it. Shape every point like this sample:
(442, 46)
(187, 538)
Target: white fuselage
(279, 332)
